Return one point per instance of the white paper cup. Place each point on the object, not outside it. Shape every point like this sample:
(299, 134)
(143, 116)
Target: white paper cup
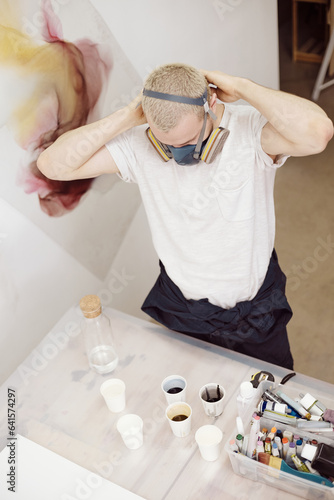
(208, 438)
(130, 428)
(113, 391)
(180, 428)
(213, 409)
(174, 383)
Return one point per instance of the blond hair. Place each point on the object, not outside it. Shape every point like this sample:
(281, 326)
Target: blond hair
(177, 79)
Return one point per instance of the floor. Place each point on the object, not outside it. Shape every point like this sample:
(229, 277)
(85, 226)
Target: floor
(304, 197)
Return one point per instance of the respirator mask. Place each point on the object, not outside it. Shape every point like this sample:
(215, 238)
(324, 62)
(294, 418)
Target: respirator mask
(190, 154)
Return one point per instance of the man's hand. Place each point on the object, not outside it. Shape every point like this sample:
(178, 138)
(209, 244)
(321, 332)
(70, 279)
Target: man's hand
(227, 86)
(136, 111)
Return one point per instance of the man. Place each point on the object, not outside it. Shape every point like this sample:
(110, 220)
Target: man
(205, 170)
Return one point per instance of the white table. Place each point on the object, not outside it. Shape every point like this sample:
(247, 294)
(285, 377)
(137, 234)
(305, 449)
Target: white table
(59, 406)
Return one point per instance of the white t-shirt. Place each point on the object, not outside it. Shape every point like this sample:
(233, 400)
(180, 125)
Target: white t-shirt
(213, 225)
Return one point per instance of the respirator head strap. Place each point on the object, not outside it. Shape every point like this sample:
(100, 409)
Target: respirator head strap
(194, 101)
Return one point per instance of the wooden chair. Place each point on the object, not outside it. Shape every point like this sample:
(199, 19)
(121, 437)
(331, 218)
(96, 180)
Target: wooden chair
(327, 62)
(310, 53)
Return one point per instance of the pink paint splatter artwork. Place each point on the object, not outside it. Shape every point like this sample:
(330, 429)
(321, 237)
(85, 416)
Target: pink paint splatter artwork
(53, 86)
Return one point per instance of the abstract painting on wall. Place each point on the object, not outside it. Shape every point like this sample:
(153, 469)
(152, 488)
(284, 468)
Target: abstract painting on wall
(61, 68)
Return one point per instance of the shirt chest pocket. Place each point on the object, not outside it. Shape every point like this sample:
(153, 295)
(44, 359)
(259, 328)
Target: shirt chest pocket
(237, 204)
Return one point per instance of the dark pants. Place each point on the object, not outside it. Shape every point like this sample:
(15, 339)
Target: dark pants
(255, 327)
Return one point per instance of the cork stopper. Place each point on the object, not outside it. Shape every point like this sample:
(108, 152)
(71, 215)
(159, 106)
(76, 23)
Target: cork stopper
(90, 306)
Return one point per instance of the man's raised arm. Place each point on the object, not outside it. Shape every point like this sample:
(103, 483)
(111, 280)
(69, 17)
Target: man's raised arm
(80, 153)
(296, 126)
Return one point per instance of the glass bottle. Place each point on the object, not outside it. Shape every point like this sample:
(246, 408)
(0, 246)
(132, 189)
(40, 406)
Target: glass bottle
(98, 337)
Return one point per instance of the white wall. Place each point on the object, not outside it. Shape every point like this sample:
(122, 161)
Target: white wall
(239, 37)
(134, 269)
(236, 36)
(39, 281)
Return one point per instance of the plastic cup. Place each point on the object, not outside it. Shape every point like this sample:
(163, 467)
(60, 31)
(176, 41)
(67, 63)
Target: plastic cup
(174, 387)
(208, 438)
(179, 418)
(113, 391)
(130, 428)
(208, 394)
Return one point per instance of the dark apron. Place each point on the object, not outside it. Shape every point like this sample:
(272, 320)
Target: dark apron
(255, 327)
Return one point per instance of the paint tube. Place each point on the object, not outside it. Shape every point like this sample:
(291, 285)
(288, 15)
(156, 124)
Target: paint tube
(307, 424)
(296, 406)
(285, 445)
(278, 441)
(289, 435)
(259, 448)
(299, 464)
(274, 450)
(255, 427)
(299, 446)
(239, 441)
(270, 405)
(233, 446)
(280, 417)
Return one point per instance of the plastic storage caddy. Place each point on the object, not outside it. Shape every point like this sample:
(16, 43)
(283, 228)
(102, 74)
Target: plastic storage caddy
(293, 484)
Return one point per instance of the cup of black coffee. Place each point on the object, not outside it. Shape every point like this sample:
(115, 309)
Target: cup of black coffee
(174, 388)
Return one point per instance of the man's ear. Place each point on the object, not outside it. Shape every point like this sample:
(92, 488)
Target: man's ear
(213, 101)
